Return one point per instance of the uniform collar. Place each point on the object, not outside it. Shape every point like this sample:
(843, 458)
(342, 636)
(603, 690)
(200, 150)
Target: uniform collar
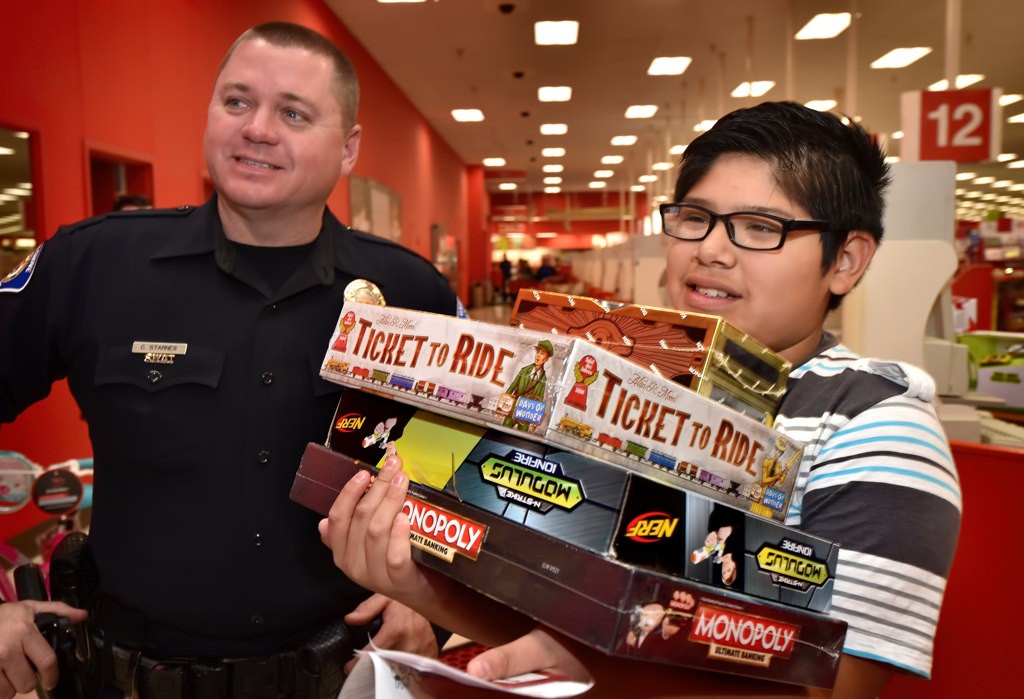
(335, 248)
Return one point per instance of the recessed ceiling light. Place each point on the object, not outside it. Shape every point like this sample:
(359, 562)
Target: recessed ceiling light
(753, 89)
(611, 159)
(966, 175)
(561, 93)
(1005, 100)
(983, 180)
(1001, 184)
(677, 149)
(1016, 164)
(597, 185)
(662, 166)
(508, 186)
(824, 26)
(821, 105)
(1017, 188)
(6, 151)
(553, 180)
(552, 190)
(467, 115)
(554, 129)
(896, 135)
(902, 57)
(552, 152)
(892, 159)
(669, 65)
(553, 167)
(962, 81)
(18, 192)
(1016, 119)
(705, 125)
(641, 111)
(562, 33)
(637, 188)
(623, 140)
(647, 178)
(603, 173)
(494, 162)
(1006, 157)
(20, 134)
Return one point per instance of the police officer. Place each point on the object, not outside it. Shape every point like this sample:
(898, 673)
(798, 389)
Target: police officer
(191, 340)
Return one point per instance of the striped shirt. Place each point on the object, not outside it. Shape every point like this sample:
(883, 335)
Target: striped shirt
(877, 477)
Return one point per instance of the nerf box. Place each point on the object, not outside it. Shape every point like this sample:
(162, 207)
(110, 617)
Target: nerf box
(569, 391)
(588, 503)
(702, 352)
(483, 372)
(618, 608)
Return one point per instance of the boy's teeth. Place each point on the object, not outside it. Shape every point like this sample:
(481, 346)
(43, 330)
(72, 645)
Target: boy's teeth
(713, 293)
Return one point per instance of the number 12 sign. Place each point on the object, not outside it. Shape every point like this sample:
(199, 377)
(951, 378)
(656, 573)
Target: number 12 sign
(958, 125)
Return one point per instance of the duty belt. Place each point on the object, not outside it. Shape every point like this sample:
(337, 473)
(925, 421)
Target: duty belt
(311, 672)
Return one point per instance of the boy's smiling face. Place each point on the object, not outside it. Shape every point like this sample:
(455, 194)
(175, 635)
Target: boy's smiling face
(778, 297)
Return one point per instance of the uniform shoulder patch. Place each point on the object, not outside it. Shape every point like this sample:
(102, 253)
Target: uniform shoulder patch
(18, 278)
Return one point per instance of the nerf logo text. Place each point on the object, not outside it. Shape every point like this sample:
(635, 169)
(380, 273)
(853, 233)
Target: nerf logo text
(350, 422)
(651, 527)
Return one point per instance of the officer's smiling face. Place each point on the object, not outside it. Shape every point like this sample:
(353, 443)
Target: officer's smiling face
(275, 138)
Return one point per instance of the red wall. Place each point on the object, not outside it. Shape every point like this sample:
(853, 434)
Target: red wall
(133, 77)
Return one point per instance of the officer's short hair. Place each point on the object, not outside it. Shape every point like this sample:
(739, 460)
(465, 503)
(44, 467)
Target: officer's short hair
(289, 35)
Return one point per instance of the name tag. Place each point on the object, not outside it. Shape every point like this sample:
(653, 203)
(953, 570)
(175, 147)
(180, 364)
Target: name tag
(159, 352)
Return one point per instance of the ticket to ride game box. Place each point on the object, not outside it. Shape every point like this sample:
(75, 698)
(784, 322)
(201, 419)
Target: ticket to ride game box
(594, 505)
(702, 352)
(584, 397)
(619, 608)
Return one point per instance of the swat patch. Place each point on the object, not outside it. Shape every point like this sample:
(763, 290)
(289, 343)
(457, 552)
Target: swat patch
(18, 277)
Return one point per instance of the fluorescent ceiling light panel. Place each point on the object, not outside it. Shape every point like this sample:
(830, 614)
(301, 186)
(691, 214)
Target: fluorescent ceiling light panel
(637, 188)
(6, 151)
(1016, 164)
(554, 129)
(662, 166)
(702, 126)
(647, 178)
(641, 111)
(1006, 157)
(623, 140)
(754, 89)
(961, 176)
(824, 26)
(494, 162)
(507, 186)
(1016, 119)
(552, 190)
(597, 185)
(669, 65)
(1005, 100)
(560, 93)
(562, 33)
(902, 57)
(896, 135)
(611, 159)
(553, 180)
(603, 173)
(553, 167)
(553, 152)
(821, 105)
(467, 115)
(677, 149)
(984, 180)
(962, 81)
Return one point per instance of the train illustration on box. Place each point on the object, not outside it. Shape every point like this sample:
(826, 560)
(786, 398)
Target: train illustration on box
(643, 453)
(427, 389)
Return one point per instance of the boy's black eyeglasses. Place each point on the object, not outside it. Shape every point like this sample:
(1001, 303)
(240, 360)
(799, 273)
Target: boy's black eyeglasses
(746, 229)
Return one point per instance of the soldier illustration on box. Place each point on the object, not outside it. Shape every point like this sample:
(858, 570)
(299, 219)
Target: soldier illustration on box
(531, 382)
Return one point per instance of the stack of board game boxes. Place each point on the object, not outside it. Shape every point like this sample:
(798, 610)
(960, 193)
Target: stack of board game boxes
(589, 489)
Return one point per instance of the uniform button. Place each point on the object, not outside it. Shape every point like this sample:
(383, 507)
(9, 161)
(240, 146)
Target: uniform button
(154, 376)
(256, 618)
(257, 540)
(263, 456)
(268, 377)
(184, 208)
(272, 307)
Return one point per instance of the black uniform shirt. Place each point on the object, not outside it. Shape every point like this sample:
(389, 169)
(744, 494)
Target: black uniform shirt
(194, 459)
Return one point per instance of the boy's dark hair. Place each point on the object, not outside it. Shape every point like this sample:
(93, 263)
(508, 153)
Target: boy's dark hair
(835, 171)
(289, 35)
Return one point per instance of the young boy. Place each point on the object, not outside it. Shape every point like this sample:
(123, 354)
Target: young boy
(777, 214)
